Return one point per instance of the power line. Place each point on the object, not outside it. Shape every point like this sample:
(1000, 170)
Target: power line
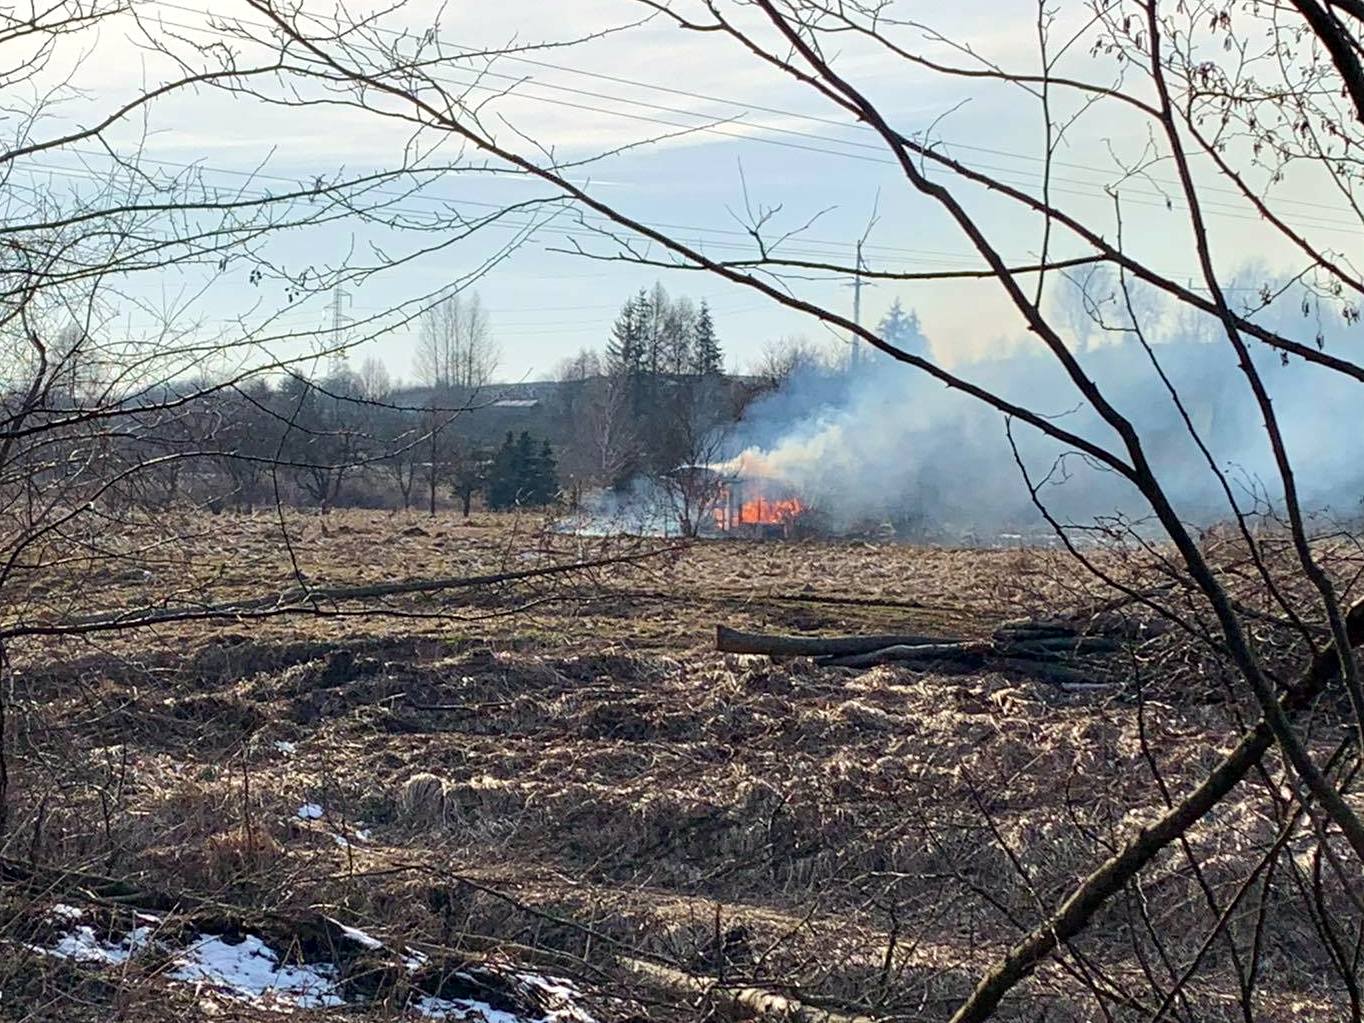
(1154, 200)
(806, 248)
(744, 106)
(967, 260)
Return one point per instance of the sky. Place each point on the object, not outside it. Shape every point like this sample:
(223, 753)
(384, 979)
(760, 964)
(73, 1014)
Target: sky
(751, 139)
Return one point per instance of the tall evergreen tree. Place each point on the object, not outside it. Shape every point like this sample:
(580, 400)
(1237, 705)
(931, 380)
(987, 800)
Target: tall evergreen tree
(522, 475)
(502, 477)
(707, 358)
(523, 467)
(625, 349)
(543, 484)
(901, 329)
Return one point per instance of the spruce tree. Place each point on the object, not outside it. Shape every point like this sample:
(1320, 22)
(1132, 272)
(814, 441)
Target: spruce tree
(545, 477)
(901, 329)
(707, 358)
(502, 480)
(625, 349)
(523, 468)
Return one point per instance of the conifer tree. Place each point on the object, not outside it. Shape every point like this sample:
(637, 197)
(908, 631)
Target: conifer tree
(544, 482)
(707, 358)
(626, 352)
(523, 467)
(902, 330)
(625, 349)
(502, 478)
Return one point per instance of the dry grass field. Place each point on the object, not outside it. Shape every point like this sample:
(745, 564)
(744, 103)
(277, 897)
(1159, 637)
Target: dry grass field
(555, 801)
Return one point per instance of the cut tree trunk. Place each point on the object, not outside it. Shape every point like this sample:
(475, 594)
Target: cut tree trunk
(732, 641)
(961, 655)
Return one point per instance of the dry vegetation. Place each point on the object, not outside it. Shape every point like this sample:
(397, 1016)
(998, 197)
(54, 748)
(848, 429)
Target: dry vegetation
(571, 779)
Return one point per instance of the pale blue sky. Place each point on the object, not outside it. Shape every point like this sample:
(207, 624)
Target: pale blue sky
(546, 305)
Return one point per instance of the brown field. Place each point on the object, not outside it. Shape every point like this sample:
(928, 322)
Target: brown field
(607, 799)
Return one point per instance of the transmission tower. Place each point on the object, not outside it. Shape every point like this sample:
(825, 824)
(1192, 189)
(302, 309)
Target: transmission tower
(341, 320)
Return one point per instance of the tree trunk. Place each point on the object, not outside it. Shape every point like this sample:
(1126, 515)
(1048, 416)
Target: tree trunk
(732, 641)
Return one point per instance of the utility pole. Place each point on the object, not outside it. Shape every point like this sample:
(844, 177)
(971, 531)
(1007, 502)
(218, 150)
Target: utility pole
(857, 285)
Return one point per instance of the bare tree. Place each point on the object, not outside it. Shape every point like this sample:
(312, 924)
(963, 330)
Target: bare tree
(1234, 104)
(784, 358)
(695, 424)
(121, 417)
(581, 367)
(376, 383)
(455, 348)
(607, 423)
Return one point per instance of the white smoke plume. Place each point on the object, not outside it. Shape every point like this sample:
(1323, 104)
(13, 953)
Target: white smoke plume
(888, 444)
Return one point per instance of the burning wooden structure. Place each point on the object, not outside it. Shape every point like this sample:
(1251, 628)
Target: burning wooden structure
(735, 501)
(755, 506)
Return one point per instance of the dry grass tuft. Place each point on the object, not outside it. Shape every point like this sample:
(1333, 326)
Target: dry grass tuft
(422, 800)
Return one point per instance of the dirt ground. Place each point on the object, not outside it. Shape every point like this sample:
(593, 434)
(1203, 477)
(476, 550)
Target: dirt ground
(562, 775)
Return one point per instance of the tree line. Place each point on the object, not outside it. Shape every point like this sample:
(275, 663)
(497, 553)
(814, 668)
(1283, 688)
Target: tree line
(654, 397)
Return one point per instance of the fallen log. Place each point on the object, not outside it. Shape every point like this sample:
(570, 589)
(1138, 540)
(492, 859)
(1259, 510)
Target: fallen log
(1047, 671)
(732, 641)
(1108, 624)
(740, 1001)
(1061, 645)
(1035, 631)
(964, 655)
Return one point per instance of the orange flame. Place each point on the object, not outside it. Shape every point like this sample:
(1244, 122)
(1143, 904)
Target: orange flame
(769, 512)
(760, 511)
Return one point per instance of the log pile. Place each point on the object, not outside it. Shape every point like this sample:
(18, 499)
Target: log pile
(1075, 651)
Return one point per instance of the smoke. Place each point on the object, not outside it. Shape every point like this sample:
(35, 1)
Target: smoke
(887, 444)
(641, 508)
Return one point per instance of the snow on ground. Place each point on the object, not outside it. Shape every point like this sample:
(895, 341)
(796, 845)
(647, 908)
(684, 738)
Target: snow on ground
(562, 994)
(310, 812)
(358, 936)
(250, 971)
(84, 946)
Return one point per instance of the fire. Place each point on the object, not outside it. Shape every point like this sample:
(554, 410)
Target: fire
(769, 512)
(758, 511)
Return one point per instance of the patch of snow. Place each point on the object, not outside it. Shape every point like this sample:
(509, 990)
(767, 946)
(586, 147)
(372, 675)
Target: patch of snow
(83, 946)
(469, 1011)
(565, 992)
(310, 812)
(556, 986)
(250, 971)
(360, 834)
(284, 746)
(360, 937)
